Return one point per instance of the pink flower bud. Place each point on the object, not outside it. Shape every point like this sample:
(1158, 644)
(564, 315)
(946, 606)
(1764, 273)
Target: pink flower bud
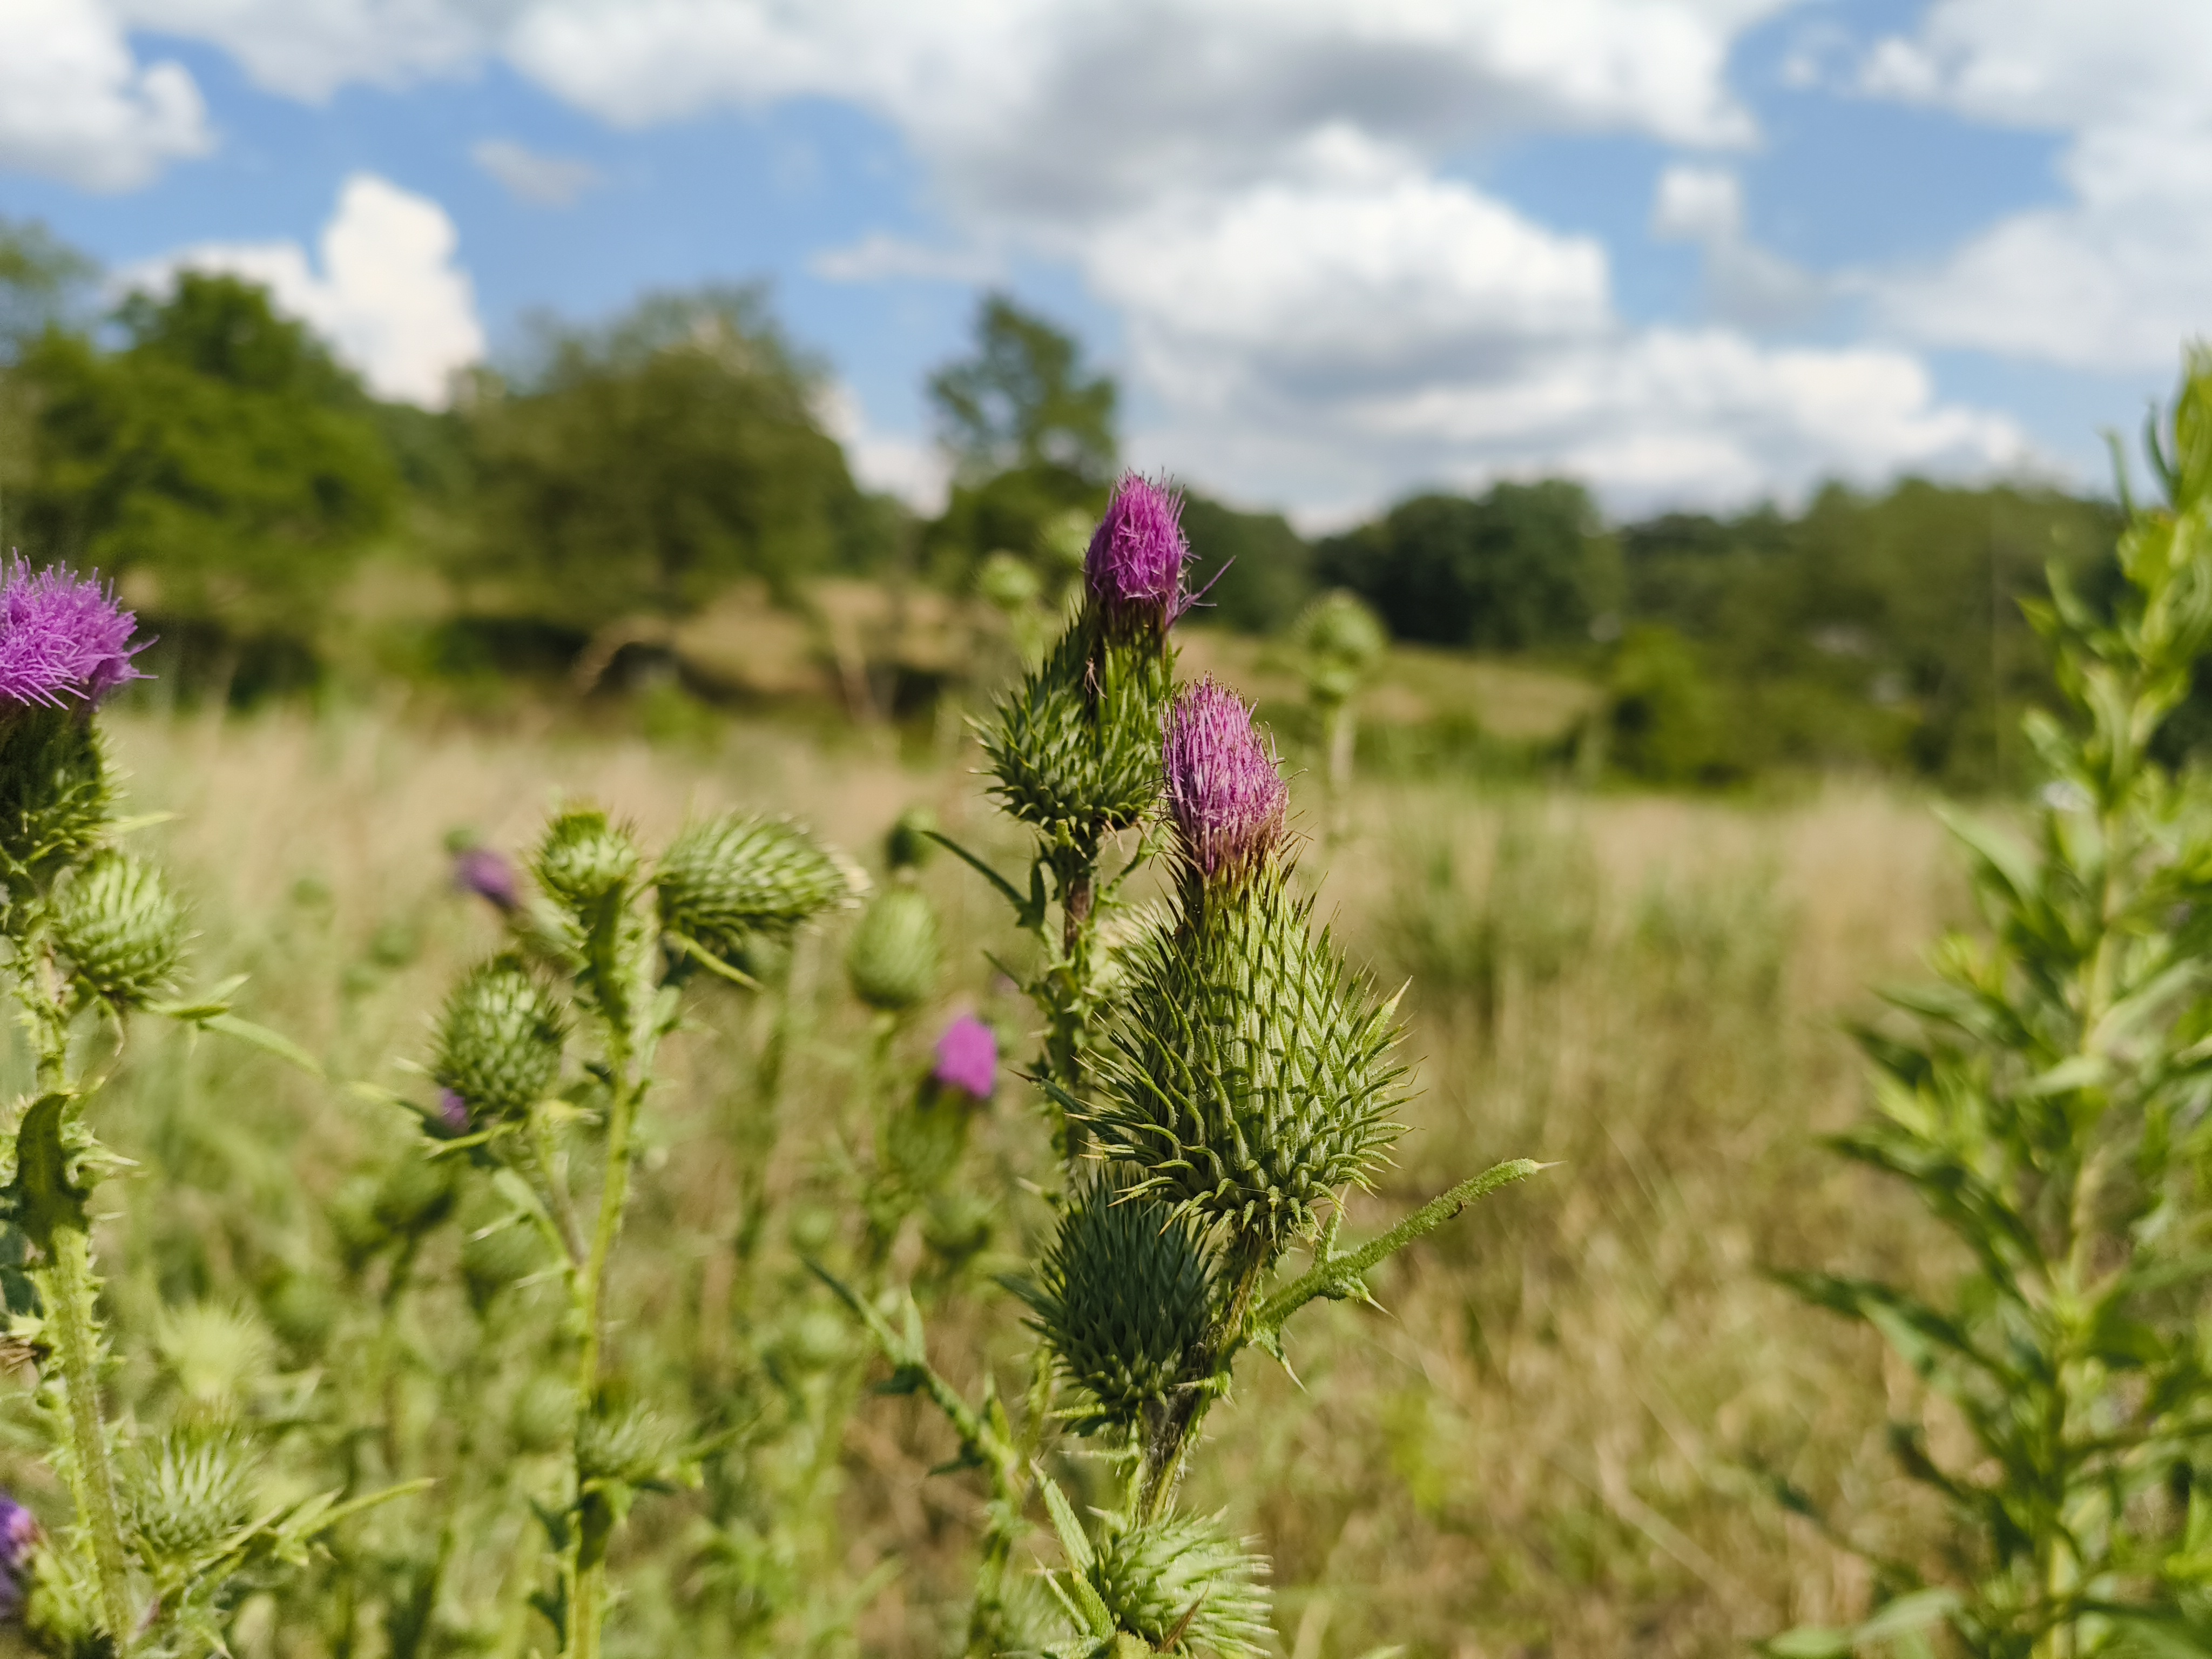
(1223, 789)
(486, 873)
(968, 1057)
(61, 639)
(1137, 554)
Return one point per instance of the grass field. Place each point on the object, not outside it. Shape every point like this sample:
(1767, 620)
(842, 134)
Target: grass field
(1559, 1439)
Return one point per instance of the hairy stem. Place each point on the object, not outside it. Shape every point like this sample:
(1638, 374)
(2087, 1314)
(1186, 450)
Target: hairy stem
(68, 1293)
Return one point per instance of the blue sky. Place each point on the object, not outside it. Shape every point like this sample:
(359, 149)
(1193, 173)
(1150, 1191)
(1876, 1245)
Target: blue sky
(1696, 252)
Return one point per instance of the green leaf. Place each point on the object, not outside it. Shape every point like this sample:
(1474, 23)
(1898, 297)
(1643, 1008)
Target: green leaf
(1808, 1642)
(261, 1036)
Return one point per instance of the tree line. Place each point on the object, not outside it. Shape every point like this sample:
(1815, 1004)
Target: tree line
(214, 457)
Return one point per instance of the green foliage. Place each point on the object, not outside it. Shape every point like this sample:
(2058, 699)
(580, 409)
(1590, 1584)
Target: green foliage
(2046, 1104)
(40, 277)
(220, 463)
(1024, 400)
(646, 466)
(1522, 567)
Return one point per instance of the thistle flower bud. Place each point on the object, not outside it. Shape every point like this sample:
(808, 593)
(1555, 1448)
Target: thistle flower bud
(892, 960)
(415, 1195)
(1135, 562)
(1122, 1296)
(487, 874)
(1075, 749)
(19, 1537)
(1247, 1076)
(542, 1416)
(1182, 1574)
(495, 1257)
(499, 1042)
(583, 858)
(731, 879)
(120, 927)
(1223, 789)
(908, 846)
(968, 1058)
(193, 1490)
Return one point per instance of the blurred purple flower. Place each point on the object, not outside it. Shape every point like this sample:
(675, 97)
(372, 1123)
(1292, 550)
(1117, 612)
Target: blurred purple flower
(487, 874)
(62, 638)
(1223, 788)
(1137, 554)
(452, 1111)
(968, 1057)
(19, 1536)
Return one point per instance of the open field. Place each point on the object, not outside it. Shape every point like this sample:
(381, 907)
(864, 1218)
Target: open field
(1556, 1441)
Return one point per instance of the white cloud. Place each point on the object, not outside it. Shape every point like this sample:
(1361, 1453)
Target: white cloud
(882, 257)
(1745, 283)
(75, 107)
(546, 180)
(920, 474)
(2113, 277)
(307, 49)
(389, 298)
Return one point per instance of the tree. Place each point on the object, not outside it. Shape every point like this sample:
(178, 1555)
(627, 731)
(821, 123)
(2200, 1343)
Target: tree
(40, 276)
(646, 466)
(1522, 567)
(1024, 400)
(1257, 571)
(222, 461)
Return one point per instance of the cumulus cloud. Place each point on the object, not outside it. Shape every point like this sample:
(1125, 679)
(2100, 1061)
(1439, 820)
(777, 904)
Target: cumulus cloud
(389, 297)
(546, 180)
(2113, 278)
(1745, 284)
(75, 107)
(307, 49)
(918, 473)
(882, 257)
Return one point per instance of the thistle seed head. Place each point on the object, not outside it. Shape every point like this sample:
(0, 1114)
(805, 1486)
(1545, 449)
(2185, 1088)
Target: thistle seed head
(1123, 1296)
(1135, 562)
(729, 880)
(583, 858)
(892, 960)
(63, 639)
(120, 927)
(499, 1042)
(1186, 1573)
(1222, 787)
(1246, 1076)
(968, 1058)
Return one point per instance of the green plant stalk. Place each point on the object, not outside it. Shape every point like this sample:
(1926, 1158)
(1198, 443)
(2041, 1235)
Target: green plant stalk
(1004, 1526)
(69, 1291)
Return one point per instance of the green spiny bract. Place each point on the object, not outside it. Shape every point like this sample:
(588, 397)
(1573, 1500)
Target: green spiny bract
(54, 797)
(583, 858)
(893, 958)
(738, 877)
(1075, 749)
(1123, 1296)
(1248, 1076)
(120, 926)
(189, 1493)
(1183, 1575)
(499, 1042)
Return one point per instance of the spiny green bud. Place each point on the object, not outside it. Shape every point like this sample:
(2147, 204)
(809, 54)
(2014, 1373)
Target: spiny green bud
(1185, 1575)
(924, 1138)
(53, 794)
(725, 881)
(631, 1445)
(542, 1417)
(1075, 749)
(583, 857)
(499, 1042)
(120, 926)
(191, 1491)
(908, 846)
(495, 1257)
(1123, 1296)
(216, 1353)
(895, 953)
(1247, 1077)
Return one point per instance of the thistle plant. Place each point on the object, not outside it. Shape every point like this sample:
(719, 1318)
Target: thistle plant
(1339, 641)
(1225, 1081)
(166, 1525)
(599, 972)
(2047, 1102)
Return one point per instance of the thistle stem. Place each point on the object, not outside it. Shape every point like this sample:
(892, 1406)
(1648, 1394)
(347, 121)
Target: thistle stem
(68, 1295)
(1169, 1443)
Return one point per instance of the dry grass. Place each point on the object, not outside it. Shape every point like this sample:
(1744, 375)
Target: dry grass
(1553, 1442)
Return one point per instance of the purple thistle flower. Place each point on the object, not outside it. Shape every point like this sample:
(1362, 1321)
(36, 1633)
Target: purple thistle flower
(62, 638)
(1137, 554)
(487, 874)
(19, 1536)
(1223, 788)
(968, 1057)
(453, 1112)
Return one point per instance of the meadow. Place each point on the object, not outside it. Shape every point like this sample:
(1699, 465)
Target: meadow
(1587, 1422)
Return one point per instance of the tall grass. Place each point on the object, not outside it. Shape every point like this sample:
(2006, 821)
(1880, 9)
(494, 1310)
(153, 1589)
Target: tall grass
(1566, 1447)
